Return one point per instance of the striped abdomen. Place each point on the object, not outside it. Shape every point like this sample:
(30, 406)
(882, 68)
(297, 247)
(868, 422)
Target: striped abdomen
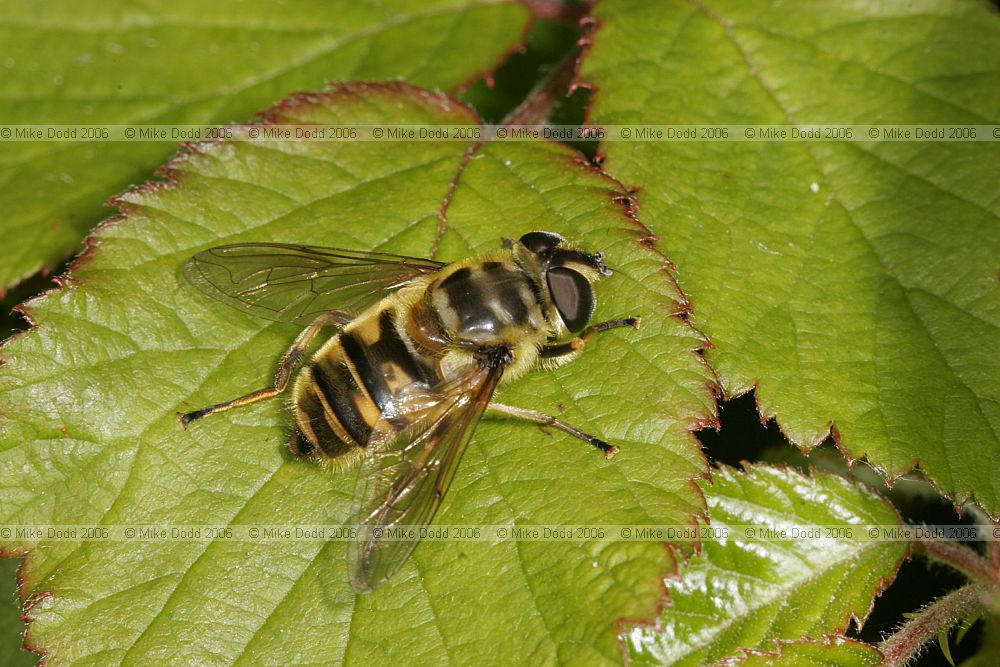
(341, 393)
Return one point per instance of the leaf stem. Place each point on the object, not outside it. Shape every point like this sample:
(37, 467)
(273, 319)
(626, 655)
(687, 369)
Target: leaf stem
(547, 95)
(936, 617)
(962, 558)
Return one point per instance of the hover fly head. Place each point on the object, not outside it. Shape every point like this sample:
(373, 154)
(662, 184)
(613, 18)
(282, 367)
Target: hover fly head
(569, 274)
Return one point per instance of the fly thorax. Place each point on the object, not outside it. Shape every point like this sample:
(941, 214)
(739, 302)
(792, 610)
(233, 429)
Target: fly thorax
(486, 302)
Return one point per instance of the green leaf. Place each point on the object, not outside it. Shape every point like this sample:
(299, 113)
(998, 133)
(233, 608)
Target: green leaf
(11, 625)
(743, 593)
(831, 652)
(853, 282)
(942, 638)
(966, 625)
(91, 434)
(190, 62)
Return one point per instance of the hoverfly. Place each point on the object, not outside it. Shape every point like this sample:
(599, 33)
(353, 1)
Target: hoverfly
(421, 348)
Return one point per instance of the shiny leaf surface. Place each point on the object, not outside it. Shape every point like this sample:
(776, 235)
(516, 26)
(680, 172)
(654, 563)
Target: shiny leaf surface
(831, 652)
(744, 593)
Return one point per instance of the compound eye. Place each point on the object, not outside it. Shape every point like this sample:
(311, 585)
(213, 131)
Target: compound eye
(541, 241)
(572, 295)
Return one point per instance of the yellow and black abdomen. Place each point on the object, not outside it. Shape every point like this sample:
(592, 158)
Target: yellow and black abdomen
(341, 393)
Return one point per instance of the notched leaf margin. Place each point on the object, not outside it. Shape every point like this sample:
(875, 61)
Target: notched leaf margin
(592, 26)
(626, 201)
(749, 471)
(624, 198)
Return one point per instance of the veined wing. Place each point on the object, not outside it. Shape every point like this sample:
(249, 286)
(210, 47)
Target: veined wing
(298, 283)
(408, 470)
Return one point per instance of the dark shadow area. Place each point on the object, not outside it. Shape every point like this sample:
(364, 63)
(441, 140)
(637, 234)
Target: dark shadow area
(573, 111)
(11, 625)
(547, 44)
(11, 322)
(918, 583)
(743, 437)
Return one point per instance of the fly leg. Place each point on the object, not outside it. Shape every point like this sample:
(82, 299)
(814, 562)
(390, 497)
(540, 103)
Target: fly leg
(563, 351)
(289, 361)
(548, 420)
(574, 345)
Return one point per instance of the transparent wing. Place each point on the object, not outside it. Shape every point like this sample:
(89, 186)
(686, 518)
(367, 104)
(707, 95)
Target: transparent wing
(413, 454)
(297, 283)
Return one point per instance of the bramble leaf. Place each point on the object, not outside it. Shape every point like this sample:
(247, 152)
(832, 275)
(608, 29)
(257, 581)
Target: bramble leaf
(189, 62)
(830, 652)
(744, 592)
(91, 435)
(854, 282)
